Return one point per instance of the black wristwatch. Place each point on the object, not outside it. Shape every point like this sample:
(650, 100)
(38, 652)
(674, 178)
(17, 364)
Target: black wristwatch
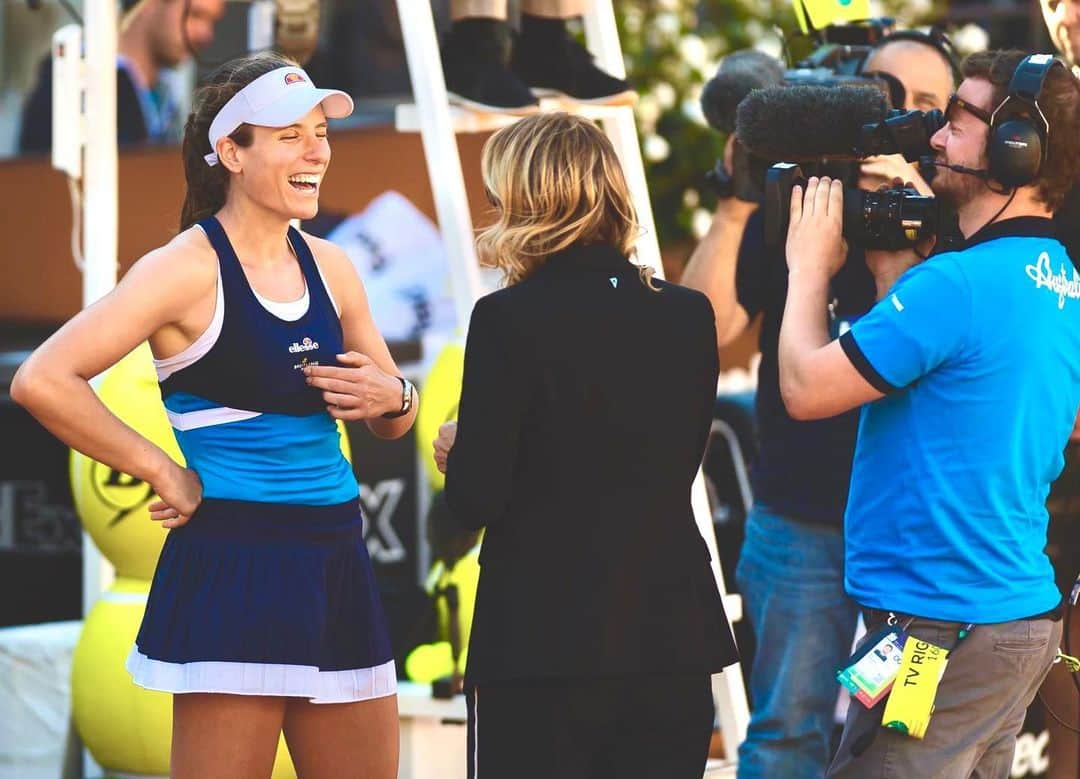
(406, 399)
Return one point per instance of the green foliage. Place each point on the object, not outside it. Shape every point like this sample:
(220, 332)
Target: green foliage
(672, 47)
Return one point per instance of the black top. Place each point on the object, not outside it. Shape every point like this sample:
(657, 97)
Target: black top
(35, 132)
(802, 469)
(585, 409)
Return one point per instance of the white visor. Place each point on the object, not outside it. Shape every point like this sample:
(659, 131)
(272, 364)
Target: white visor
(275, 99)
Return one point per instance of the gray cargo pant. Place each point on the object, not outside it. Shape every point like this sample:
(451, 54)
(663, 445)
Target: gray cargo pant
(991, 679)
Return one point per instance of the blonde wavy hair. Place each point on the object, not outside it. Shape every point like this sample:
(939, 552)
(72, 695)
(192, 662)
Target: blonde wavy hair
(554, 181)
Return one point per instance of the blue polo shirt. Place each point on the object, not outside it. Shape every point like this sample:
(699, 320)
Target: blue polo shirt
(978, 352)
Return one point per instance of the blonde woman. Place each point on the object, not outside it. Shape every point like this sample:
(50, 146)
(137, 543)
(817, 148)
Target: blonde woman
(585, 408)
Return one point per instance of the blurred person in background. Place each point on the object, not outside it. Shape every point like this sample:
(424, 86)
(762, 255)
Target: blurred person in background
(1063, 23)
(154, 35)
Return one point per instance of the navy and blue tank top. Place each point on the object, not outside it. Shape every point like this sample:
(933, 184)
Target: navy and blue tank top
(243, 415)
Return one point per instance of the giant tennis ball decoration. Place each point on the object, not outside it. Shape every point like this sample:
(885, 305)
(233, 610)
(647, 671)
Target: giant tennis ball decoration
(442, 393)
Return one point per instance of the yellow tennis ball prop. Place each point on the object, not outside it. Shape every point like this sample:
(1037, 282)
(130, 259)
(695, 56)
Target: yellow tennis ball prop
(113, 505)
(343, 434)
(442, 393)
(127, 729)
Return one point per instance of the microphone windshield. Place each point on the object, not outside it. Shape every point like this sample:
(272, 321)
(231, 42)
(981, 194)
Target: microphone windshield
(806, 123)
(740, 73)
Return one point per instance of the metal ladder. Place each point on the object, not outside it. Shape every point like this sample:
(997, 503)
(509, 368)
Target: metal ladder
(438, 123)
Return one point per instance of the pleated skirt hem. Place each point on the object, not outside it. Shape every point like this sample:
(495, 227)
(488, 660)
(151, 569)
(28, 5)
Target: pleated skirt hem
(271, 679)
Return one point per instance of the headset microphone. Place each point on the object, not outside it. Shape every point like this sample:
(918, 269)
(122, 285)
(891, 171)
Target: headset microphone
(981, 173)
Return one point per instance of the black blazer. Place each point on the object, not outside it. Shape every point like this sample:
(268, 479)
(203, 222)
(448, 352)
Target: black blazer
(585, 410)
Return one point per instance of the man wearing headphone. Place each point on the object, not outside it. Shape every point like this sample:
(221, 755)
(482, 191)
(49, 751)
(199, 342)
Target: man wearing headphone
(968, 368)
(790, 570)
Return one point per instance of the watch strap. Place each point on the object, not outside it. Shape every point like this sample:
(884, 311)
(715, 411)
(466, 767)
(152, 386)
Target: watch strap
(406, 400)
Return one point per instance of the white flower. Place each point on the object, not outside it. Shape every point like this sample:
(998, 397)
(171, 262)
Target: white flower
(699, 222)
(656, 148)
(970, 38)
(770, 44)
(665, 95)
(760, 8)
(916, 9)
(693, 51)
(648, 111)
(668, 5)
(691, 198)
(632, 18)
(666, 24)
(691, 107)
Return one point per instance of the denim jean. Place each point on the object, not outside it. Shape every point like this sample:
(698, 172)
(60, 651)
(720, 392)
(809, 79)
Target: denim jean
(791, 576)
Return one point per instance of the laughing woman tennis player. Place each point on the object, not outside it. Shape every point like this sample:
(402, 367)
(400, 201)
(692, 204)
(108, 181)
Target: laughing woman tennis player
(263, 615)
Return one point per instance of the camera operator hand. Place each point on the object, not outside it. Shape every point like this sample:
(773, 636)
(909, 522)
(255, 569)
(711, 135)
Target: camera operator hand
(815, 241)
(887, 266)
(885, 170)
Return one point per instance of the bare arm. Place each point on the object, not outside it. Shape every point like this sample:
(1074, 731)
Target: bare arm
(365, 385)
(888, 266)
(711, 268)
(817, 379)
(158, 293)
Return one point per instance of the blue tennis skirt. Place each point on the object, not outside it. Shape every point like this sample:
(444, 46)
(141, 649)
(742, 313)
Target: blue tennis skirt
(266, 599)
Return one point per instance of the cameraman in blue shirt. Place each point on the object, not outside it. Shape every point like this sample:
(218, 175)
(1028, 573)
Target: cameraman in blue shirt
(790, 571)
(969, 366)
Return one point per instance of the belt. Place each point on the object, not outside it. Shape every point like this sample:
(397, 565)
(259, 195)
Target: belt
(874, 618)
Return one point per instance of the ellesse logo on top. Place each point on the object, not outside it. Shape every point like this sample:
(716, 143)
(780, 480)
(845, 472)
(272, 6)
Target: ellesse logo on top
(294, 78)
(307, 345)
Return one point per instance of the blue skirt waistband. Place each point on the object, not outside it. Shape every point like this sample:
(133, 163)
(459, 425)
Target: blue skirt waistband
(247, 520)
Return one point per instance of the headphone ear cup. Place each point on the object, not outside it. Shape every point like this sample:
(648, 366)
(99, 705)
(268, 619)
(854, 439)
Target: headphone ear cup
(1015, 150)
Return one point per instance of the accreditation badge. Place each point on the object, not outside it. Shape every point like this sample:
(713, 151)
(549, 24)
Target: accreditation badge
(911, 702)
(872, 670)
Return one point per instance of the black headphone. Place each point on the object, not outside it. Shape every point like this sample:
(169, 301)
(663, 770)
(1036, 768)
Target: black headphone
(1018, 128)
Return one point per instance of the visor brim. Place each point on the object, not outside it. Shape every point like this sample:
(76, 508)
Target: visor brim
(295, 106)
